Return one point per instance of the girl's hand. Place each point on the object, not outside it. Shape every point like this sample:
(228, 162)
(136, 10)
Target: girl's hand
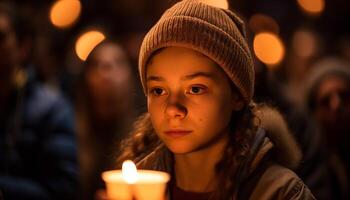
(101, 195)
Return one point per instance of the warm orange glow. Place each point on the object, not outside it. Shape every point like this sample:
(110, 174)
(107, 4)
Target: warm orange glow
(312, 6)
(87, 42)
(263, 23)
(217, 3)
(304, 43)
(65, 12)
(269, 48)
(129, 172)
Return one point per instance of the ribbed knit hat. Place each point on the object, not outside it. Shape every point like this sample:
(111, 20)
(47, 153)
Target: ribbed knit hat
(217, 33)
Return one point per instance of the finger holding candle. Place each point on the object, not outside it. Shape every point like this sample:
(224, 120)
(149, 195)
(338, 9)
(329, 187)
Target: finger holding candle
(101, 194)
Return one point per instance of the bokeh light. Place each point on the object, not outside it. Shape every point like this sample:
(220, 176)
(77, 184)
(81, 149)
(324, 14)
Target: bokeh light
(217, 3)
(87, 42)
(263, 23)
(268, 48)
(65, 13)
(313, 7)
(304, 43)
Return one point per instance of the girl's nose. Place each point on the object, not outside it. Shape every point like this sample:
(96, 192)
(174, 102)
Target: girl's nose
(175, 108)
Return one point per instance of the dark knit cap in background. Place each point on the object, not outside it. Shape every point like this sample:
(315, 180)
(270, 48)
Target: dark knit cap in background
(217, 33)
(321, 70)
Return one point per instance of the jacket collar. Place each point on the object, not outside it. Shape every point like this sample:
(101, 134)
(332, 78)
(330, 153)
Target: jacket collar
(161, 159)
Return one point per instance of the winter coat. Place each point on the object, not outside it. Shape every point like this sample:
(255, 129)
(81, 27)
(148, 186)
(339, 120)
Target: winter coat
(37, 145)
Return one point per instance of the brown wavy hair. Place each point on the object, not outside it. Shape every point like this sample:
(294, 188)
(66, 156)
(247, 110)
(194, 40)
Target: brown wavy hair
(243, 126)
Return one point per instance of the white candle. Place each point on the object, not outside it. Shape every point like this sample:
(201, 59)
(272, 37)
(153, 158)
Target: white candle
(141, 184)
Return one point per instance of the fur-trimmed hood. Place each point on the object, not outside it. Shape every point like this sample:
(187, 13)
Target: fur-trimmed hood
(280, 141)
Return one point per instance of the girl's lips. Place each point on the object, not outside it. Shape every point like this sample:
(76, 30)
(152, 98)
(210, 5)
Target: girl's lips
(177, 133)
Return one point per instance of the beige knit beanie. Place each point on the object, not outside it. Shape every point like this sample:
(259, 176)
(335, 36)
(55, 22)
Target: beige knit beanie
(217, 33)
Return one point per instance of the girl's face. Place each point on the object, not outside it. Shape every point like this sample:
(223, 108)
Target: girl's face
(190, 100)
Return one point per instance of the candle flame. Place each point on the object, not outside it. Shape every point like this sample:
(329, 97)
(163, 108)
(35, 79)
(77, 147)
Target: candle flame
(129, 172)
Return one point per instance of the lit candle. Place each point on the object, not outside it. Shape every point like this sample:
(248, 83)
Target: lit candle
(130, 183)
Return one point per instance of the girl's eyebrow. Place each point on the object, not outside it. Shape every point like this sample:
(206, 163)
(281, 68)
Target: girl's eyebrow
(187, 77)
(155, 78)
(200, 74)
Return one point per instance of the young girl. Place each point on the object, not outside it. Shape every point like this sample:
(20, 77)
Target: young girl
(202, 126)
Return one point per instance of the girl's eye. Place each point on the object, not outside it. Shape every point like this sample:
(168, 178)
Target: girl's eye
(197, 90)
(158, 91)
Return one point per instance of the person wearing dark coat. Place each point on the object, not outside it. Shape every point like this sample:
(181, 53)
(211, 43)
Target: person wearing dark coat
(37, 140)
(327, 98)
(313, 166)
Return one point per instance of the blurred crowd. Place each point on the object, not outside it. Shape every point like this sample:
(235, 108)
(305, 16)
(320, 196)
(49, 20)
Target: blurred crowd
(62, 117)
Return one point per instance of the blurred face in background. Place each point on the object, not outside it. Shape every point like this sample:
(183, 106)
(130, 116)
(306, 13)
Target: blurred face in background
(108, 77)
(332, 108)
(9, 52)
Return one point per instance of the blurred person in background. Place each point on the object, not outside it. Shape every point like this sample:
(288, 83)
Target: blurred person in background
(37, 140)
(312, 169)
(104, 109)
(328, 100)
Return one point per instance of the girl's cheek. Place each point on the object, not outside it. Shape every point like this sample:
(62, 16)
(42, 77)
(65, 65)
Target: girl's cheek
(200, 100)
(152, 101)
(156, 104)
